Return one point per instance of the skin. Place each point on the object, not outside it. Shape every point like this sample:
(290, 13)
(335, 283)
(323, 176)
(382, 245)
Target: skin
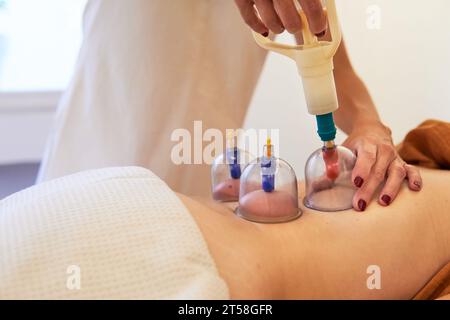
(276, 204)
(227, 190)
(326, 256)
(279, 15)
(330, 156)
(378, 164)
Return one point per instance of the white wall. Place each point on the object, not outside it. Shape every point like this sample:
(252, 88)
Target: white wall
(405, 64)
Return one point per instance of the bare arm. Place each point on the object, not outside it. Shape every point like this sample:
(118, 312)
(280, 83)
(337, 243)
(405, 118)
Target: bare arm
(378, 161)
(356, 104)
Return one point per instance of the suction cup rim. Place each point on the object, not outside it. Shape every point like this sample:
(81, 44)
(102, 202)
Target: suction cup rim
(323, 209)
(265, 220)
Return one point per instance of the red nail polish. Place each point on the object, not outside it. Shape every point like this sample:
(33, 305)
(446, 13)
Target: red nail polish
(265, 34)
(362, 205)
(321, 34)
(359, 182)
(386, 199)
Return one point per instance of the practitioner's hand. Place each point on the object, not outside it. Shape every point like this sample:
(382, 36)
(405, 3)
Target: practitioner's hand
(279, 15)
(378, 163)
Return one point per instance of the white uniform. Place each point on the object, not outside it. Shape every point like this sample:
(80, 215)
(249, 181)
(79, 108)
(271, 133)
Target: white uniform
(114, 233)
(145, 69)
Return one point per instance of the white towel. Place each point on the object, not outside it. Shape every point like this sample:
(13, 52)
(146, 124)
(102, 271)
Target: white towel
(117, 233)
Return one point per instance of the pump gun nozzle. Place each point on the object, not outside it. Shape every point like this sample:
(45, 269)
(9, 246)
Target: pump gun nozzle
(325, 127)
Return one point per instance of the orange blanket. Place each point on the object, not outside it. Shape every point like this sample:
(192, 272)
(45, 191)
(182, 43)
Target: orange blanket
(428, 145)
(437, 287)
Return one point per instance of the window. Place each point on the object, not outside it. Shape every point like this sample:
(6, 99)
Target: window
(39, 43)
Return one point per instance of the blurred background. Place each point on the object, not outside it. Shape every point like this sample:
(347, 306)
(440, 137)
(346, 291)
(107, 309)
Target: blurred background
(39, 43)
(400, 48)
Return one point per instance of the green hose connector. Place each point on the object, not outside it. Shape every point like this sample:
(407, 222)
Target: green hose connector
(326, 127)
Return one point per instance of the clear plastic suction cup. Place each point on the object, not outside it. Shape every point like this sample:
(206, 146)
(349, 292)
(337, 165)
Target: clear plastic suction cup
(268, 192)
(328, 175)
(226, 173)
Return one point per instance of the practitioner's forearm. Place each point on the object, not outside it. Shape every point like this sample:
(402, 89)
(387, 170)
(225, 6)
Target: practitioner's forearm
(356, 106)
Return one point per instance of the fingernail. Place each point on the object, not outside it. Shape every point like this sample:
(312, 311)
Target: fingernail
(386, 199)
(359, 182)
(418, 184)
(265, 34)
(362, 205)
(321, 34)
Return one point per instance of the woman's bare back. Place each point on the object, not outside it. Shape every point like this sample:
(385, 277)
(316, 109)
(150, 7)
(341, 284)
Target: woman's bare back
(383, 253)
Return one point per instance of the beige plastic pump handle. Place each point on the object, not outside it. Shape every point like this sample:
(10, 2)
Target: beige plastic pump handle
(310, 40)
(314, 61)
